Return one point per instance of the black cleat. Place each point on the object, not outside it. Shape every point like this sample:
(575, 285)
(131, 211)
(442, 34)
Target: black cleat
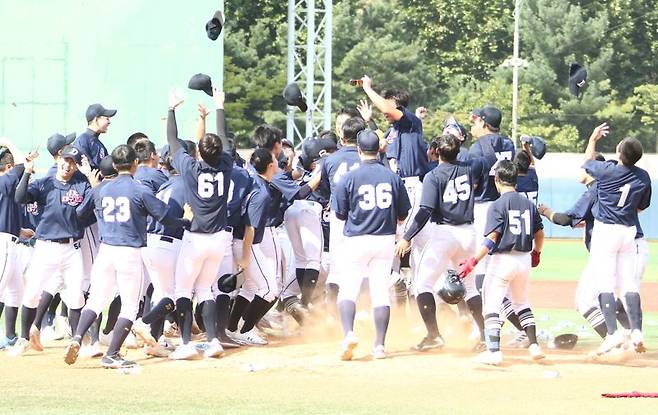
(116, 362)
(429, 343)
(227, 342)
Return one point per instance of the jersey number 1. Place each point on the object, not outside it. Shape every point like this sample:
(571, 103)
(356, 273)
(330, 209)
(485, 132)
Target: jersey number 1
(206, 187)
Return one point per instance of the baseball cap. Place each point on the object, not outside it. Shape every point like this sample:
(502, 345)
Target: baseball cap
(97, 110)
(286, 143)
(107, 167)
(71, 152)
(367, 140)
(215, 25)
(490, 114)
(57, 141)
(577, 78)
(201, 82)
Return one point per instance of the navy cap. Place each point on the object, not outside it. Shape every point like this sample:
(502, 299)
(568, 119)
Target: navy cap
(106, 167)
(201, 82)
(293, 96)
(97, 110)
(537, 145)
(286, 143)
(367, 140)
(57, 141)
(490, 114)
(214, 25)
(327, 146)
(577, 78)
(71, 152)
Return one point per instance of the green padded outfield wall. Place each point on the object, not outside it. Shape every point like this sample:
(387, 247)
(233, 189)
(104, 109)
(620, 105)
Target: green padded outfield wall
(59, 56)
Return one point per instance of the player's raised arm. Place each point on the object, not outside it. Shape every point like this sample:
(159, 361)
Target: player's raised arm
(598, 133)
(172, 128)
(219, 97)
(379, 101)
(201, 123)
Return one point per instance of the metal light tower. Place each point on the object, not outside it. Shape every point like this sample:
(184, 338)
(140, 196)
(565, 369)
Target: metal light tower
(309, 63)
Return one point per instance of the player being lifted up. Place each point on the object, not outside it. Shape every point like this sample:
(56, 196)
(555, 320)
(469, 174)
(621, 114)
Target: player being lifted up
(513, 225)
(121, 206)
(371, 200)
(623, 190)
(446, 200)
(207, 181)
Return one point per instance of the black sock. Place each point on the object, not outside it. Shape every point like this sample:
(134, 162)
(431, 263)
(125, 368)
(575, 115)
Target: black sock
(95, 329)
(310, 281)
(184, 313)
(347, 311)
(2, 307)
(157, 328)
(74, 318)
(510, 315)
(64, 310)
(147, 300)
(299, 274)
(159, 311)
(332, 299)
(87, 318)
(609, 310)
(595, 319)
(42, 308)
(622, 315)
(475, 305)
(57, 299)
(198, 316)
(427, 308)
(382, 317)
(256, 310)
(634, 310)
(222, 310)
(11, 315)
(239, 306)
(112, 314)
(493, 324)
(208, 314)
(527, 319)
(121, 330)
(27, 318)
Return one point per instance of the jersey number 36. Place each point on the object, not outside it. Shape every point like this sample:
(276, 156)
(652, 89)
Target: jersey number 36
(379, 196)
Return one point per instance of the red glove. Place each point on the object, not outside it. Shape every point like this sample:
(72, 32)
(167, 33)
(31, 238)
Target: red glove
(466, 267)
(535, 258)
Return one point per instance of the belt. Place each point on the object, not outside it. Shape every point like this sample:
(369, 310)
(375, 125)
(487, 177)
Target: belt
(62, 240)
(169, 239)
(228, 229)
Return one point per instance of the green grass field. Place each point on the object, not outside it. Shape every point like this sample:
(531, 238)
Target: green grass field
(564, 260)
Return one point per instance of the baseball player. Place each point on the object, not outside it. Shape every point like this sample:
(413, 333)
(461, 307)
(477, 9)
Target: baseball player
(122, 206)
(492, 148)
(207, 182)
(334, 168)
(89, 143)
(513, 227)
(57, 249)
(260, 287)
(371, 200)
(527, 183)
(447, 201)
(623, 190)
(11, 283)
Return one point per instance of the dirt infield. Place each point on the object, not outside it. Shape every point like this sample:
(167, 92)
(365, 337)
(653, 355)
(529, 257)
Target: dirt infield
(560, 294)
(302, 375)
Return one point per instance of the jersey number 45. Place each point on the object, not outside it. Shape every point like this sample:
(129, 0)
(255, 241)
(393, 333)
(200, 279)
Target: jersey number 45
(457, 189)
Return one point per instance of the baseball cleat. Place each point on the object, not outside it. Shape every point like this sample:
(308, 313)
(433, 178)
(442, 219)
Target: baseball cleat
(91, 350)
(349, 344)
(35, 339)
(116, 362)
(227, 342)
(21, 346)
(184, 352)
(520, 341)
(429, 343)
(71, 352)
(535, 352)
(610, 342)
(378, 352)
(637, 339)
(143, 333)
(480, 347)
(253, 338)
(156, 351)
(7, 342)
(213, 349)
(490, 358)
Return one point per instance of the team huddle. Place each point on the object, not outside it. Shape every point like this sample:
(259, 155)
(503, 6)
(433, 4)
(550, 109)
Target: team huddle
(191, 242)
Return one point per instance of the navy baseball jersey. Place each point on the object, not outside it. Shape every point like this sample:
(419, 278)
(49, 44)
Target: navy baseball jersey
(30, 216)
(254, 210)
(283, 190)
(407, 146)
(174, 194)
(516, 220)
(622, 191)
(10, 219)
(150, 177)
(58, 202)
(528, 185)
(338, 165)
(121, 206)
(582, 210)
(91, 146)
(371, 200)
(448, 189)
(492, 148)
(463, 153)
(241, 184)
(207, 189)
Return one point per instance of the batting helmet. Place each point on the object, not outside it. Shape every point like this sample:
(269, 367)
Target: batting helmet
(311, 149)
(452, 291)
(230, 282)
